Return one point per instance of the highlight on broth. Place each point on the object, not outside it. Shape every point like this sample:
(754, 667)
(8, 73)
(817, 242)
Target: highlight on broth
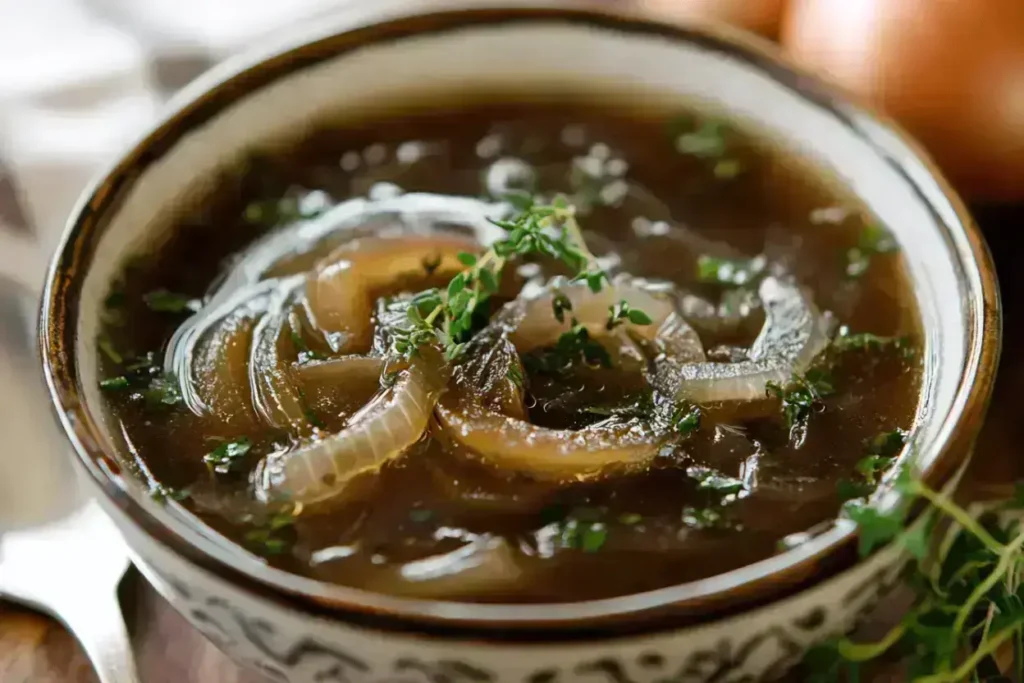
(516, 352)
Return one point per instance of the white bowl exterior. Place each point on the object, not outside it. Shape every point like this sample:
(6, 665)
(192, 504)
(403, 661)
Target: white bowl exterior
(546, 54)
(289, 645)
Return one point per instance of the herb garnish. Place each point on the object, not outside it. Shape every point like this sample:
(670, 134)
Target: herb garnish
(873, 241)
(709, 141)
(161, 494)
(273, 537)
(799, 399)
(866, 342)
(881, 453)
(583, 535)
(164, 301)
(968, 604)
(115, 384)
(227, 456)
(686, 419)
(163, 392)
(622, 312)
(448, 318)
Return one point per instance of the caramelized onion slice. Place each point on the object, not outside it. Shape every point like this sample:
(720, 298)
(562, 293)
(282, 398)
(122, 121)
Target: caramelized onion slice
(341, 370)
(793, 335)
(381, 430)
(339, 291)
(547, 454)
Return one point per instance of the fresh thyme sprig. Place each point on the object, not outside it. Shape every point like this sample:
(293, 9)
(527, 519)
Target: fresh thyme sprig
(447, 318)
(969, 603)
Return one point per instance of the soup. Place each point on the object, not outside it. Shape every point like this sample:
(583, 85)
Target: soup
(499, 349)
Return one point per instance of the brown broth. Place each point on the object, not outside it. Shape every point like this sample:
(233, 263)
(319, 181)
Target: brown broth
(645, 528)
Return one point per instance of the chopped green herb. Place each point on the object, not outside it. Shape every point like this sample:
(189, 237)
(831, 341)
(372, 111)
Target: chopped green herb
(164, 301)
(163, 392)
(799, 398)
(630, 518)
(115, 384)
(574, 346)
(271, 538)
(515, 374)
(305, 354)
(730, 272)
(874, 240)
(621, 312)
(686, 419)
(707, 141)
(227, 456)
(560, 305)
(865, 342)
(701, 518)
(720, 483)
(549, 230)
(887, 444)
(583, 535)
(162, 494)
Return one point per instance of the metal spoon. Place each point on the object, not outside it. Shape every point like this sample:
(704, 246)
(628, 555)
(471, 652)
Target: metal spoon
(59, 553)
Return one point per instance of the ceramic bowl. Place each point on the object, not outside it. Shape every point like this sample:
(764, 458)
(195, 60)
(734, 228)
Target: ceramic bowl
(746, 625)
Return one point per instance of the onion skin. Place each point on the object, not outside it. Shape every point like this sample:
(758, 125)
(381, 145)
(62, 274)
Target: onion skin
(950, 71)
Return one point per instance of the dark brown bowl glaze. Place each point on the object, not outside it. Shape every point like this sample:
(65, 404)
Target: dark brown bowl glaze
(690, 603)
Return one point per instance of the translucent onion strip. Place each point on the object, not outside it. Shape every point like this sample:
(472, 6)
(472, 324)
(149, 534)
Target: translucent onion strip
(275, 393)
(339, 291)
(381, 430)
(793, 335)
(513, 444)
(484, 566)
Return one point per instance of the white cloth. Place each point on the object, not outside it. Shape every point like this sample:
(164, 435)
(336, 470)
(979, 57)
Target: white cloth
(79, 79)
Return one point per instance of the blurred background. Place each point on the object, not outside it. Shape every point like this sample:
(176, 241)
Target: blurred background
(79, 79)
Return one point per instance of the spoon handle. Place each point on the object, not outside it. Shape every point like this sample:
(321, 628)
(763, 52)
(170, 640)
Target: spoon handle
(97, 623)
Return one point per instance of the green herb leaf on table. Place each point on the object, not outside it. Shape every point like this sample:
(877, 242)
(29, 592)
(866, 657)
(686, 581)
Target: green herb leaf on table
(968, 601)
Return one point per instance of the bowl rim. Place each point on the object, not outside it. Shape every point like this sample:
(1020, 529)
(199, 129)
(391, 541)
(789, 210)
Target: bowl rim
(682, 604)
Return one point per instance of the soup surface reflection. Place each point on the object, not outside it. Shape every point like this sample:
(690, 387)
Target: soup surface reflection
(504, 352)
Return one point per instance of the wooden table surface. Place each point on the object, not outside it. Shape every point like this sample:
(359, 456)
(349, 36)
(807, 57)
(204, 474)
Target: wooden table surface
(36, 649)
